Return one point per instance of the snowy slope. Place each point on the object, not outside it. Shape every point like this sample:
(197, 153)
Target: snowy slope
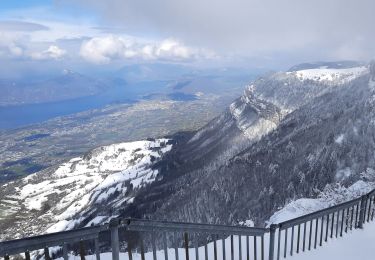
(253, 116)
(107, 176)
(267, 100)
(324, 74)
(332, 195)
(321, 136)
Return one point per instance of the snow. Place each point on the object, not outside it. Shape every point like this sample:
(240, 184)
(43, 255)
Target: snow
(247, 223)
(358, 244)
(343, 174)
(353, 244)
(260, 128)
(60, 226)
(329, 75)
(339, 139)
(329, 197)
(96, 221)
(296, 209)
(253, 128)
(90, 179)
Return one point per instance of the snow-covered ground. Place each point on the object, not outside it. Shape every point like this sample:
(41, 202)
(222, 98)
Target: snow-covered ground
(106, 174)
(330, 197)
(330, 75)
(357, 245)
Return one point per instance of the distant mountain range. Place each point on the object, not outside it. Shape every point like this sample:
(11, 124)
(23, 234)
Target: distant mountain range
(68, 85)
(131, 82)
(304, 133)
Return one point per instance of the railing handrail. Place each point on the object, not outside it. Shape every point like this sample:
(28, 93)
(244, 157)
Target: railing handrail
(316, 214)
(153, 225)
(51, 239)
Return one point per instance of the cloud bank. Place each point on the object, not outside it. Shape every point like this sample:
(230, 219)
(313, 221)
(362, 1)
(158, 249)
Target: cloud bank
(252, 33)
(105, 49)
(320, 28)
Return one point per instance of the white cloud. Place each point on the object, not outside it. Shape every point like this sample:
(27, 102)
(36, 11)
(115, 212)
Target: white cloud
(15, 48)
(10, 46)
(18, 45)
(170, 48)
(108, 48)
(104, 49)
(53, 52)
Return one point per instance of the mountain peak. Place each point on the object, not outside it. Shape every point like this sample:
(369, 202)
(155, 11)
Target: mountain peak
(326, 65)
(329, 74)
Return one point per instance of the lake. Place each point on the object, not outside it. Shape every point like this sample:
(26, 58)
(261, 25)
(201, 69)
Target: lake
(21, 115)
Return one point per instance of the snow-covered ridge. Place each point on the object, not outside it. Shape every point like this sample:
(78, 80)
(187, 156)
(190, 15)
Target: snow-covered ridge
(105, 173)
(325, 74)
(253, 116)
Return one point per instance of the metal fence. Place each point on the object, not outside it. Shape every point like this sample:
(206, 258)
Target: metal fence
(134, 239)
(312, 230)
(147, 240)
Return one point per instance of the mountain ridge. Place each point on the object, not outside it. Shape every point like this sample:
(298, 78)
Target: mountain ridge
(235, 169)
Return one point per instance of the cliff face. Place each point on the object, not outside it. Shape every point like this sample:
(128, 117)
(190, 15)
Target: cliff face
(320, 135)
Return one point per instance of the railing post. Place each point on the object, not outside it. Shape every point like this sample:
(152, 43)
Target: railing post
(46, 254)
(362, 211)
(113, 224)
(97, 249)
(82, 250)
(27, 255)
(65, 251)
(272, 241)
(186, 238)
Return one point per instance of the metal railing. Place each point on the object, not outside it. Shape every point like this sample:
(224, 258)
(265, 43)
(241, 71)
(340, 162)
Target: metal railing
(312, 230)
(145, 237)
(161, 240)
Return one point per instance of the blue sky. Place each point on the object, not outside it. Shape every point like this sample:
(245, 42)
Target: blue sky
(88, 34)
(9, 4)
